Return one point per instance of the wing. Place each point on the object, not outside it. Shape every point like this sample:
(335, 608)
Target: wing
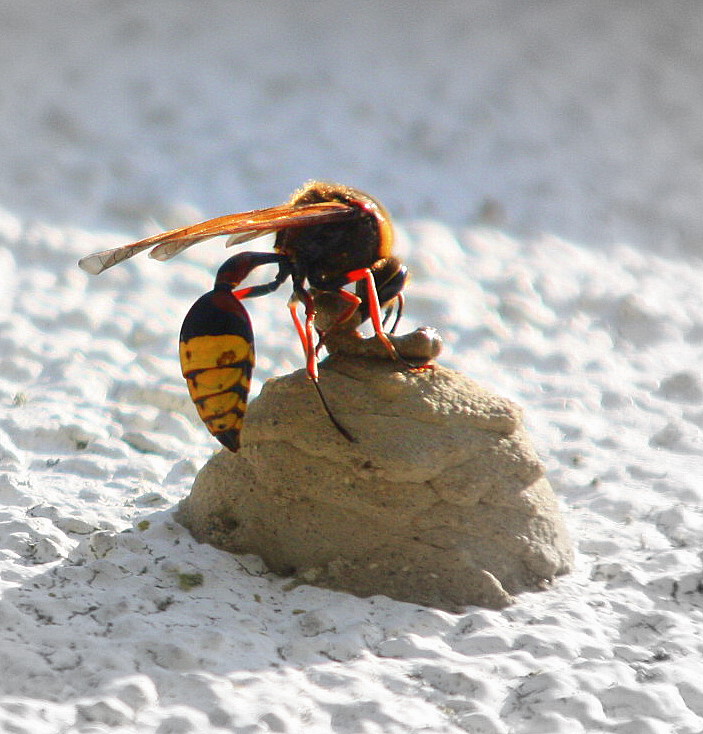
(240, 227)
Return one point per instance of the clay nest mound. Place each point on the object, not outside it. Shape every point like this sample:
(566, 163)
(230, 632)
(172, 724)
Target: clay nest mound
(440, 500)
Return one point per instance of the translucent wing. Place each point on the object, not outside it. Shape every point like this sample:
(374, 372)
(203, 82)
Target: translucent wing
(240, 227)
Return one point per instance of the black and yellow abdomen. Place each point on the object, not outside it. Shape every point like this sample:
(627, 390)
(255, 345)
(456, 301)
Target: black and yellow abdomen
(217, 358)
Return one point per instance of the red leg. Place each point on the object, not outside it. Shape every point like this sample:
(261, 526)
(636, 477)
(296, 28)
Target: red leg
(293, 308)
(305, 333)
(306, 338)
(348, 312)
(353, 301)
(374, 307)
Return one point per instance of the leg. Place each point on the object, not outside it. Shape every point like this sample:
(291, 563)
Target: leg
(374, 307)
(390, 281)
(353, 302)
(306, 334)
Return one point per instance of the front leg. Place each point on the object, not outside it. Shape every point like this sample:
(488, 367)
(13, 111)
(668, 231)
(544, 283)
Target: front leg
(373, 305)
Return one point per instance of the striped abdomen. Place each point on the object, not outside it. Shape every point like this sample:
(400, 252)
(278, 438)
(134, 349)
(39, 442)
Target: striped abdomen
(217, 358)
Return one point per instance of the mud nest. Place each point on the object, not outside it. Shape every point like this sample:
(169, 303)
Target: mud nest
(440, 500)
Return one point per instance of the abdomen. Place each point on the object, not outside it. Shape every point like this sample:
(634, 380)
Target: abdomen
(217, 357)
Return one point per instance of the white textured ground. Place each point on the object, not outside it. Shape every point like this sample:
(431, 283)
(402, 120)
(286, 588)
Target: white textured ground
(576, 129)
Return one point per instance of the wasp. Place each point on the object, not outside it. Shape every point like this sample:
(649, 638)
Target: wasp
(328, 237)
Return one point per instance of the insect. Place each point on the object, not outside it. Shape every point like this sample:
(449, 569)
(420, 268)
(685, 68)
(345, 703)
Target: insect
(328, 236)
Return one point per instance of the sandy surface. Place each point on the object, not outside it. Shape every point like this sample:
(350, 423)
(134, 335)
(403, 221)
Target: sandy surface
(543, 161)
